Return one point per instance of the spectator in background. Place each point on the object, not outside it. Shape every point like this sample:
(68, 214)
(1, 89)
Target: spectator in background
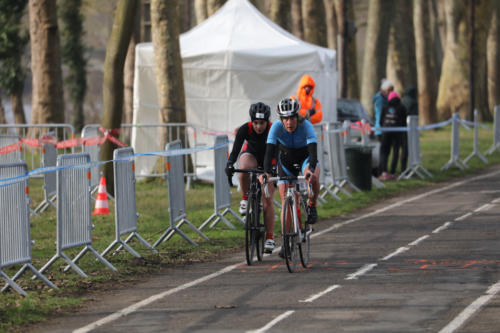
(310, 107)
(379, 101)
(410, 102)
(393, 115)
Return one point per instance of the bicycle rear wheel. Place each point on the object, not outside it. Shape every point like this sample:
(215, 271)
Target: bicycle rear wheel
(304, 244)
(289, 238)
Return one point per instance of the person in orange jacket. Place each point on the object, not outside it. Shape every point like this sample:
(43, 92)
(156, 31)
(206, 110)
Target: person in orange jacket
(310, 107)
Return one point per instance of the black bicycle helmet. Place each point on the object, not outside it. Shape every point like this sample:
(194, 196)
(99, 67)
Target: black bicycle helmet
(260, 111)
(288, 107)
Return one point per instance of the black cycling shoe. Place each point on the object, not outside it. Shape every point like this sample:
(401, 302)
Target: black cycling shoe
(312, 215)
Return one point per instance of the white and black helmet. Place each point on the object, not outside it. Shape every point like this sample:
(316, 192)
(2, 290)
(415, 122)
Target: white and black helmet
(288, 107)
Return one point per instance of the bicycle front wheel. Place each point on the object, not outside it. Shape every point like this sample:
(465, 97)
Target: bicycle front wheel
(305, 229)
(254, 240)
(289, 237)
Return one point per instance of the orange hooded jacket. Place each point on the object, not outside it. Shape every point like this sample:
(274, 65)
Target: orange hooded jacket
(307, 101)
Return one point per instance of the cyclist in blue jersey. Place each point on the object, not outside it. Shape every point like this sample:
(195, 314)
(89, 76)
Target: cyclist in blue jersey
(293, 141)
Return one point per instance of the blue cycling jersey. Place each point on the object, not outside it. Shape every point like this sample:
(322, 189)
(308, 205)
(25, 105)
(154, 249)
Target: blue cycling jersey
(303, 135)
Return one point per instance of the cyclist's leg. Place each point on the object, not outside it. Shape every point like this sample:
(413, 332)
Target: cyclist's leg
(314, 180)
(246, 161)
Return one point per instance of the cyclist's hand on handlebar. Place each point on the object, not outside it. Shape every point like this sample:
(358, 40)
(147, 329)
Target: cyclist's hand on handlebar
(264, 177)
(229, 169)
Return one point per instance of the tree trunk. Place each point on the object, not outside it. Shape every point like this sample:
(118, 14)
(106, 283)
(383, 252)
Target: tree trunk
(168, 63)
(401, 67)
(280, 13)
(116, 51)
(313, 18)
(351, 56)
(128, 82)
(493, 56)
(427, 87)
(375, 55)
(454, 82)
(16, 99)
(2, 112)
(200, 10)
(214, 5)
(438, 32)
(331, 24)
(297, 22)
(47, 101)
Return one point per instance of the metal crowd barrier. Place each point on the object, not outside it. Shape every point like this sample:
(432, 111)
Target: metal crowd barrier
(36, 131)
(74, 224)
(414, 158)
(14, 156)
(176, 196)
(49, 159)
(475, 151)
(455, 145)
(172, 132)
(94, 152)
(496, 132)
(15, 238)
(321, 152)
(222, 191)
(338, 178)
(125, 202)
(366, 142)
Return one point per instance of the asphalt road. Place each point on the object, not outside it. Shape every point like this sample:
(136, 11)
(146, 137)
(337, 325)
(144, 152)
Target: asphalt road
(425, 262)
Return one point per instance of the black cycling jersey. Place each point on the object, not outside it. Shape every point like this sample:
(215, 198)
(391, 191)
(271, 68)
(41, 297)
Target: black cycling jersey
(255, 143)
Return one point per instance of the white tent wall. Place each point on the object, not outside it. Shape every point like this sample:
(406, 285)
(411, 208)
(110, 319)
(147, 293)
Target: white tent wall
(233, 59)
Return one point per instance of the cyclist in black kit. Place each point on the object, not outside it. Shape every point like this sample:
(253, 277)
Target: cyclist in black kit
(250, 146)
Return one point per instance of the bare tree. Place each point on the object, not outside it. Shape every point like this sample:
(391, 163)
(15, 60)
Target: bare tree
(454, 87)
(128, 79)
(401, 66)
(375, 55)
(200, 10)
(2, 111)
(427, 87)
(313, 18)
(168, 63)
(297, 22)
(351, 52)
(214, 5)
(47, 101)
(116, 51)
(280, 13)
(493, 56)
(331, 24)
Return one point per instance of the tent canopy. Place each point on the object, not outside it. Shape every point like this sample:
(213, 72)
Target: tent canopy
(233, 59)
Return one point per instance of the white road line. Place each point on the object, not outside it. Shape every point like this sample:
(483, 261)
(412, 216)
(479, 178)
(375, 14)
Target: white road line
(497, 200)
(484, 207)
(463, 217)
(136, 306)
(365, 269)
(469, 311)
(318, 295)
(273, 322)
(416, 241)
(441, 228)
(395, 253)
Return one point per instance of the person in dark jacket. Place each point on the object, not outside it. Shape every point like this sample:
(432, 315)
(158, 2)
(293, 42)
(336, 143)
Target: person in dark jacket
(393, 115)
(410, 102)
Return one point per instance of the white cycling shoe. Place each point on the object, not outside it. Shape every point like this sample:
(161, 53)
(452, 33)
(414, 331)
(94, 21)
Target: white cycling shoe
(269, 246)
(243, 207)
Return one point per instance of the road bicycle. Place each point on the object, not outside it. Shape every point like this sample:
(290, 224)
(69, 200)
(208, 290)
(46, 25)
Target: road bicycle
(255, 234)
(296, 230)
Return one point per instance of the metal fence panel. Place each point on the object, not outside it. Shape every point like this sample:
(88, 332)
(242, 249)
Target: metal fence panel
(94, 152)
(496, 131)
(15, 244)
(73, 205)
(16, 155)
(125, 199)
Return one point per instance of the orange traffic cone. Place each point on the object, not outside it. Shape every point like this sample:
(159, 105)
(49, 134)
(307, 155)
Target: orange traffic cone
(101, 202)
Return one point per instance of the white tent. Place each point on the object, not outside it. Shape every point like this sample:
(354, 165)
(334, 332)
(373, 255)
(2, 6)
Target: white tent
(234, 58)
